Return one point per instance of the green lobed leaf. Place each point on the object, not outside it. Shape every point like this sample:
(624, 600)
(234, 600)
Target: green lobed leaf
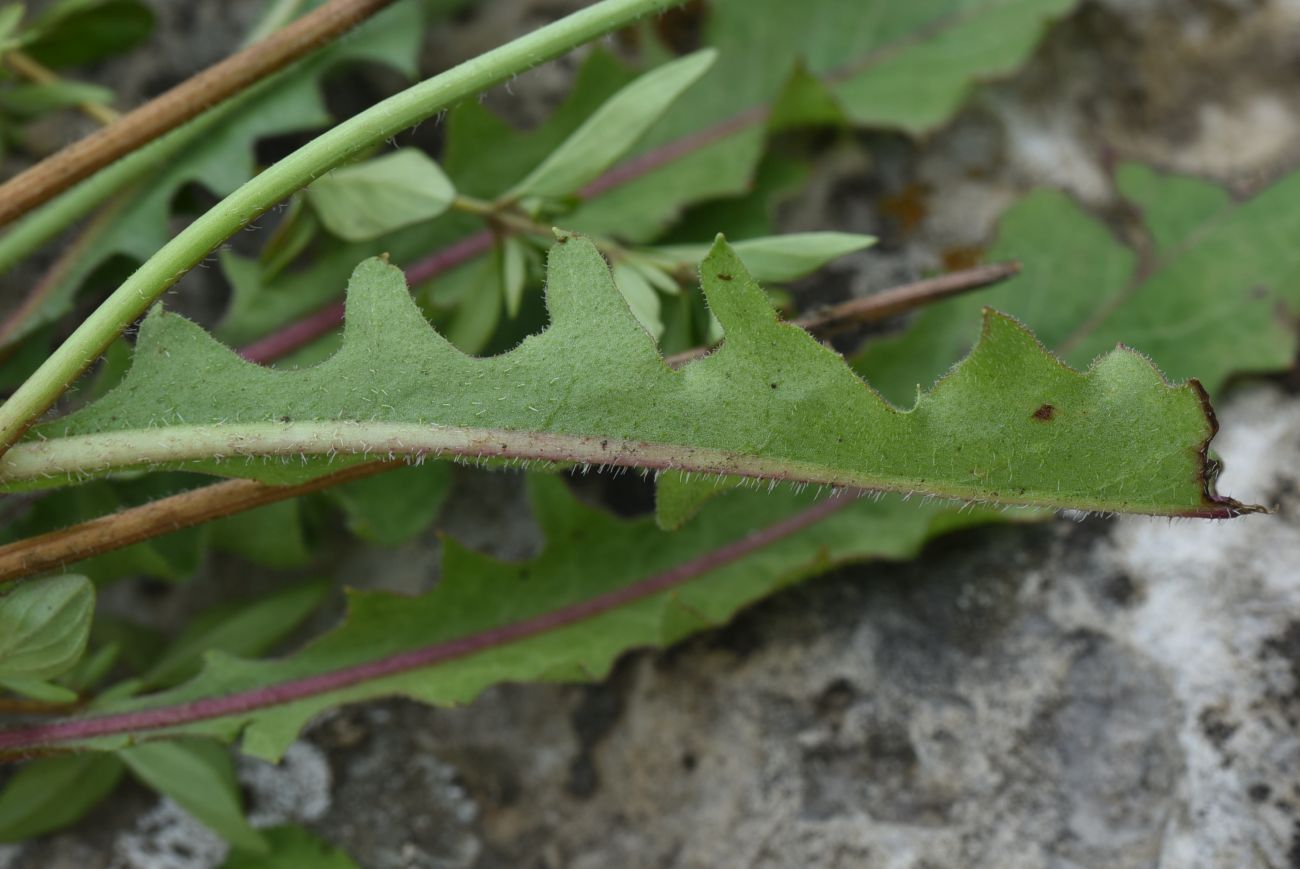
(1009, 425)
(198, 775)
(51, 793)
(44, 624)
(291, 848)
(484, 156)
(366, 200)
(612, 129)
(1209, 303)
(743, 547)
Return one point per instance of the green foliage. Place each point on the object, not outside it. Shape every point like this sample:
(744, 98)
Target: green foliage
(1205, 301)
(198, 775)
(31, 100)
(780, 258)
(77, 32)
(367, 200)
(216, 151)
(622, 158)
(901, 65)
(1010, 425)
(237, 629)
(51, 793)
(588, 553)
(43, 627)
(612, 129)
(396, 506)
(291, 848)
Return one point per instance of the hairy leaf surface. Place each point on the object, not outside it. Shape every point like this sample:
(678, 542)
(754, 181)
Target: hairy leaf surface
(1009, 425)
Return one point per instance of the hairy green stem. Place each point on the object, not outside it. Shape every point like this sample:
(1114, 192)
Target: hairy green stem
(371, 127)
(293, 442)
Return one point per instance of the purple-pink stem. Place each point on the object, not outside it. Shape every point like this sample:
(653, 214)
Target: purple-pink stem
(56, 733)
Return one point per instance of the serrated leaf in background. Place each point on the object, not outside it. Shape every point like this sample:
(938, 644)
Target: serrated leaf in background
(740, 549)
(903, 66)
(1208, 302)
(246, 629)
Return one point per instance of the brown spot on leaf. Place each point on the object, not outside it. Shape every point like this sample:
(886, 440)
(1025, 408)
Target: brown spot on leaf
(1045, 413)
(723, 276)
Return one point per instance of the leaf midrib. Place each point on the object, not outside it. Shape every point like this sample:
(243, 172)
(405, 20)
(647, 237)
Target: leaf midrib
(350, 441)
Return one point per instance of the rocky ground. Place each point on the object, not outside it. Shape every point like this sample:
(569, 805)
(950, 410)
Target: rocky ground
(1074, 694)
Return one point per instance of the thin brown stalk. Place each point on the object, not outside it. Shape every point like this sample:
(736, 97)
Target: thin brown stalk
(886, 303)
(107, 533)
(187, 100)
(30, 69)
(58, 549)
(906, 297)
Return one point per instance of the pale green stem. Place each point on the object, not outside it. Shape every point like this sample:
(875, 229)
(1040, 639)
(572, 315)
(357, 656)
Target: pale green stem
(47, 463)
(376, 124)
